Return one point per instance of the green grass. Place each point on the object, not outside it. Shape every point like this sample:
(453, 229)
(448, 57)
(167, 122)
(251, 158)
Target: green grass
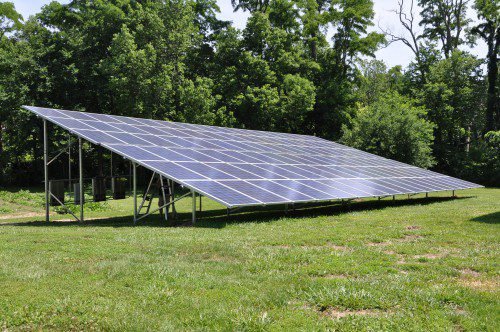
(418, 264)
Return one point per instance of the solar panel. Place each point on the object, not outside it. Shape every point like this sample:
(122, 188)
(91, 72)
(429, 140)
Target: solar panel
(239, 167)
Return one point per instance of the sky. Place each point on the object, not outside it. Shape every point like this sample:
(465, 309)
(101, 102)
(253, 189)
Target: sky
(392, 55)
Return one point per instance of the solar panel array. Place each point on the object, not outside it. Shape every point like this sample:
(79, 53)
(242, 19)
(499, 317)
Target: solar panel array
(238, 167)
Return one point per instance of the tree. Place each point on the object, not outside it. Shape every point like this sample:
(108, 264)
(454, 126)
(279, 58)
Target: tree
(375, 80)
(250, 5)
(314, 18)
(199, 104)
(10, 19)
(444, 21)
(454, 98)
(336, 81)
(488, 11)
(412, 39)
(297, 101)
(392, 127)
(259, 108)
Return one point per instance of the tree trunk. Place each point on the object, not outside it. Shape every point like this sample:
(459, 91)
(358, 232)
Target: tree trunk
(492, 109)
(1, 135)
(314, 50)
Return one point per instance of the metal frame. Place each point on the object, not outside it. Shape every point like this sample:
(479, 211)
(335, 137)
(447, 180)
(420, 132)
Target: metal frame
(48, 193)
(163, 206)
(46, 163)
(206, 194)
(46, 169)
(133, 166)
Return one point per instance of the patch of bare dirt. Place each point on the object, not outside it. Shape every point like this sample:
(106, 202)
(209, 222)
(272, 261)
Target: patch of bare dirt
(406, 238)
(469, 272)
(410, 237)
(335, 313)
(401, 258)
(337, 247)
(335, 276)
(378, 244)
(429, 256)
(486, 285)
(21, 215)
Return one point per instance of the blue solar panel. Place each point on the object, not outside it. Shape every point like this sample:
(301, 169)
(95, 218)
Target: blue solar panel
(302, 188)
(255, 192)
(173, 170)
(135, 152)
(221, 193)
(206, 170)
(289, 193)
(98, 136)
(247, 167)
(129, 138)
(234, 171)
(195, 155)
(167, 154)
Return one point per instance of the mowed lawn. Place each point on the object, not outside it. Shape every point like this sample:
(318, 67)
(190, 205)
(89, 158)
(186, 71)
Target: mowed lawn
(410, 264)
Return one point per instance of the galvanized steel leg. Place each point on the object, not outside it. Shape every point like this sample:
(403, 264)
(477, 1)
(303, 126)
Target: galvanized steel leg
(80, 166)
(200, 201)
(194, 207)
(46, 169)
(69, 165)
(164, 197)
(172, 193)
(134, 189)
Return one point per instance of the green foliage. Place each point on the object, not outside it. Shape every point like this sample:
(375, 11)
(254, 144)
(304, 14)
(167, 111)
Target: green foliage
(488, 12)
(297, 100)
(483, 161)
(287, 70)
(10, 19)
(88, 206)
(445, 21)
(454, 98)
(392, 127)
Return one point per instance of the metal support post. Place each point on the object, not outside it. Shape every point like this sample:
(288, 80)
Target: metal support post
(172, 193)
(194, 207)
(426, 195)
(453, 194)
(80, 166)
(46, 169)
(200, 201)
(129, 173)
(393, 197)
(164, 197)
(134, 189)
(69, 165)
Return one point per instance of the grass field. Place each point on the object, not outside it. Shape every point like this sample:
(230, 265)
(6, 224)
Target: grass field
(410, 264)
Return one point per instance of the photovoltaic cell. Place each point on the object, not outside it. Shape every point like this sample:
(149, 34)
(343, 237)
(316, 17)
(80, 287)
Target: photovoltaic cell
(238, 167)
